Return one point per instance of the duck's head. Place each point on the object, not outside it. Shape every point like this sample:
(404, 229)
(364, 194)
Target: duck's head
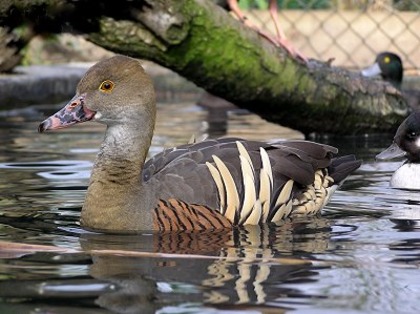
(113, 91)
(406, 141)
(389, 66)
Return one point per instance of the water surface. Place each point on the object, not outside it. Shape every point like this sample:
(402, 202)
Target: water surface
(361, 256)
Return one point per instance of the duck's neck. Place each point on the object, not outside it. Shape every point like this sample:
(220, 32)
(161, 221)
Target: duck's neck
(116, 199)
(395, 82)
(394, 75)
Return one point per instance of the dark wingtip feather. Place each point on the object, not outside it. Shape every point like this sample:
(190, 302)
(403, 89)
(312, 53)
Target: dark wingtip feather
(342, 166)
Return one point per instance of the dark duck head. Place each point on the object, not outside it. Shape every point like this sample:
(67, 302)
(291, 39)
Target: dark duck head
(389, 67)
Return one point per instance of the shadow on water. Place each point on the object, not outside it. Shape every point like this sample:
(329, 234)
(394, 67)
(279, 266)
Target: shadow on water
(362, 255)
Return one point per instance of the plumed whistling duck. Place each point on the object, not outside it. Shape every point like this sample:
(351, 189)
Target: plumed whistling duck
(212, 184)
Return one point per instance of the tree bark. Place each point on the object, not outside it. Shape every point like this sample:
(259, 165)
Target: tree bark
(203, 43)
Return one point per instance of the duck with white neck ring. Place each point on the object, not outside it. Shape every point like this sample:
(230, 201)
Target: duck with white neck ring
(212, 184)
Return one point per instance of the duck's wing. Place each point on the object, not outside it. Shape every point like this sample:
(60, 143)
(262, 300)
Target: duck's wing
(249, 182)
(181, 172)
(161, 160)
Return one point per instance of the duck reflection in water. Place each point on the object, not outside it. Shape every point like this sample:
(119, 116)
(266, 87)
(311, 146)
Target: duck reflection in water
(244, 266)
(247, 268)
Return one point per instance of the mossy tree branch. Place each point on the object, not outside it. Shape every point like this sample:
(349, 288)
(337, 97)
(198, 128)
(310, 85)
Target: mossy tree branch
(203, 43)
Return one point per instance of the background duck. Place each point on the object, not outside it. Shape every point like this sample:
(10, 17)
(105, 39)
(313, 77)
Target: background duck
(212, 184)
(389, 66)
(406, 144)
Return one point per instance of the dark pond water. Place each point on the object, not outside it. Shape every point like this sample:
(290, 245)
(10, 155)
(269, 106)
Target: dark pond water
(361, 256)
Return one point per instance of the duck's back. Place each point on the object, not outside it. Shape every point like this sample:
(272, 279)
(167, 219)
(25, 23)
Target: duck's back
(412, 96)
(248, 182)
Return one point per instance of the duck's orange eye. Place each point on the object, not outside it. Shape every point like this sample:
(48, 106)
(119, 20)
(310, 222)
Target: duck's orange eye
(73, 105)
(106, 86)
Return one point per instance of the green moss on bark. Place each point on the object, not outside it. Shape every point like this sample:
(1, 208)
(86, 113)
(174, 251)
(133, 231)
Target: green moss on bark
(204, 44)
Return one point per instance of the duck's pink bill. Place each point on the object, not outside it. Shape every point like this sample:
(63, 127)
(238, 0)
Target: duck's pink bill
(74, 112)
